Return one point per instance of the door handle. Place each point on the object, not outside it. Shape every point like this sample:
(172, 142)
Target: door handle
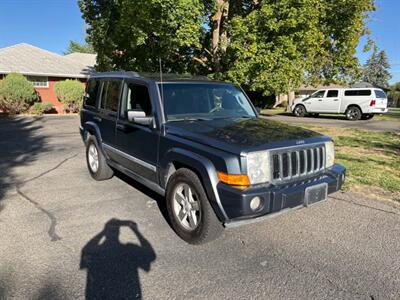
(319, 99)
(122, 127)
(98, 119)
(335, 99)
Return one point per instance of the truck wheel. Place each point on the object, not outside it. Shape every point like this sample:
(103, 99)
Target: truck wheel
(300, 111)
(189, 210)
(367, 116)
(96, 162)
(353, 113)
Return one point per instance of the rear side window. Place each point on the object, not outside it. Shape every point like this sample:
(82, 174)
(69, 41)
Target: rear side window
(332, 93)
(91, 93)
(110, 95)
(137, 98)
(357, 93)
(380, 94)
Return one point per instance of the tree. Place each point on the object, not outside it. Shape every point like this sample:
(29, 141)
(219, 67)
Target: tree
(394, 93)
(376, 69)
(80, 48)
(16, 94)
(267, 46)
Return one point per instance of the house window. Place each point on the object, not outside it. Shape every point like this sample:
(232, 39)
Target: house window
(39, 81)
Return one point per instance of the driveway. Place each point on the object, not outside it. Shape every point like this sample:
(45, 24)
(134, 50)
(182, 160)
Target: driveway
(64, 236)
(338, 121)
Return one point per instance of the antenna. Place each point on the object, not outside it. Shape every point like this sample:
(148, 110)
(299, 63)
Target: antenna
(161, 81)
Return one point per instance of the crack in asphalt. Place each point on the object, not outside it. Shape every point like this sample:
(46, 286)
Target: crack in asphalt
(53, 220)
(366, 206)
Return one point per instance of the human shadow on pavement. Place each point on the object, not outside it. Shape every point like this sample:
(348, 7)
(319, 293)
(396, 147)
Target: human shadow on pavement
(113, 267)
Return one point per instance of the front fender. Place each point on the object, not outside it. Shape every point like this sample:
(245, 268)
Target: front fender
(202, 166)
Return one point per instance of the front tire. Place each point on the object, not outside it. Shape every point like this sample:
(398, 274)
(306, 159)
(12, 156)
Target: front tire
(96, 162)
(299, 111)
(189, 210)
(353, 113)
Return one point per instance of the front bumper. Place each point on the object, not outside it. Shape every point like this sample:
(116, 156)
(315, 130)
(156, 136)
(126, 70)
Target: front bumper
(275, 199)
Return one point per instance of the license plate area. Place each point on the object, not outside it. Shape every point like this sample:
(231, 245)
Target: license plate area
(315, 193)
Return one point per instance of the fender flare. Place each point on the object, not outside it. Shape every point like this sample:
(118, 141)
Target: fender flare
(93, 129)
(202, 166)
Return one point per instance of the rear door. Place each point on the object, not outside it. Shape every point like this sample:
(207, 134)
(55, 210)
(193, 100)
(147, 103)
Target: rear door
(137, 144)
(109, 100)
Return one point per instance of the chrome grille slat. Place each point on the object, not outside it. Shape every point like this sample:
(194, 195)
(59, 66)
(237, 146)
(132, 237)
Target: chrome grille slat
(296, 163)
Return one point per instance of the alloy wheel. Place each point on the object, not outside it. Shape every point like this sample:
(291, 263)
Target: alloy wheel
(186, 206)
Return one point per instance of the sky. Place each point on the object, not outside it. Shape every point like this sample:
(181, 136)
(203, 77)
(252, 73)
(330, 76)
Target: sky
(51, 24)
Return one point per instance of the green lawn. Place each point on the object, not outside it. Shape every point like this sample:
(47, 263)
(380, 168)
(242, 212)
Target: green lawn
(372, 159)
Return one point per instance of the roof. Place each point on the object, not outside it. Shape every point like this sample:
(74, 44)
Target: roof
(167, 77)
(30, 60)
(319, 87)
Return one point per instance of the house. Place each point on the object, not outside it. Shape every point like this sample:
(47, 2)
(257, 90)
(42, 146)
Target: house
(306, 90)
(44, 68)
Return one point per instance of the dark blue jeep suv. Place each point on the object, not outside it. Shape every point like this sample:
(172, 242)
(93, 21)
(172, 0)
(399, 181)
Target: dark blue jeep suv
(202, 144)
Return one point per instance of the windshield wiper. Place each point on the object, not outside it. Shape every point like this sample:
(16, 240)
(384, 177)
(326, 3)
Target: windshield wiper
(189, 119)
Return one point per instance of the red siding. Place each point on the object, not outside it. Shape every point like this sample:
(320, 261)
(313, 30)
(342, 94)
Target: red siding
(48, 94)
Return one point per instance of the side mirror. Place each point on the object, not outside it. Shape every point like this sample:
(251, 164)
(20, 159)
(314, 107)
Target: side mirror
(139, 117)
(258, 109)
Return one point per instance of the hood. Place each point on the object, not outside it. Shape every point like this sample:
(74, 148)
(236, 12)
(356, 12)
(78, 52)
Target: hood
(243, 135)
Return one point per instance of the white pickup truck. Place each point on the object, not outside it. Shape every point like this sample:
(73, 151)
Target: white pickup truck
(355, 103)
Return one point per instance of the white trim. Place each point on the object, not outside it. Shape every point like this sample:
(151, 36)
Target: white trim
(131, 158)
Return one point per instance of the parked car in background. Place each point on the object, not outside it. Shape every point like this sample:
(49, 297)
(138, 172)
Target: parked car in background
(201, 144)
(355, 103)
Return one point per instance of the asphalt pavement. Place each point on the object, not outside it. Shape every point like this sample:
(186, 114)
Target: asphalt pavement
(66, 236)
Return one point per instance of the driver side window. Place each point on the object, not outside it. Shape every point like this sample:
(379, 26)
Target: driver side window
(137, 98)
(319, 94)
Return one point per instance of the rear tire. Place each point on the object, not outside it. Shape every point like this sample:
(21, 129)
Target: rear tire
(299, 111)
(96, 162)
(367, 116)
(189, 209)
(353, 113)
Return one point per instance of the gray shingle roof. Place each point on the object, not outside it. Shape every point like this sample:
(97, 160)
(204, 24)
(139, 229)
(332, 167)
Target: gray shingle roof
(30, 60)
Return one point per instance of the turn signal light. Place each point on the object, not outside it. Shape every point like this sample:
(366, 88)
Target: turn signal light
(373, 102)
(236, 180)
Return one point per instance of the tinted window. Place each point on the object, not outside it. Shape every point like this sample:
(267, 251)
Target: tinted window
(318, 94)
(91, 92)
(201, 100)
(137, 98)
(380, 94)
(110, 95)
(357, 93)
(332, 93)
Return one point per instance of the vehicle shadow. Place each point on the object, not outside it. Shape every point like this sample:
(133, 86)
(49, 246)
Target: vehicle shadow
(328, 117)
(113, 267)
(148, 192)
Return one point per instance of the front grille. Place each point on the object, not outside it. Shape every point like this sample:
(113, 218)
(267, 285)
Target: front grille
(297, 163)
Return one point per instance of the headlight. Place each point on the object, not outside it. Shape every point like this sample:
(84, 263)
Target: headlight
(330, 154)
(258, 167)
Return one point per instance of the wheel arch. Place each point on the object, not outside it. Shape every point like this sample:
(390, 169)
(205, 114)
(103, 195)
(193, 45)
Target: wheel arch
(177, 158)
(353, 105)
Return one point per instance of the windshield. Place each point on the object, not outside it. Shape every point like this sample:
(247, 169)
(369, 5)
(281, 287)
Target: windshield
(184, 101)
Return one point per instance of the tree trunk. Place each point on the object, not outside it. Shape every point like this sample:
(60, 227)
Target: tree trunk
(291, 97)
(221, 12)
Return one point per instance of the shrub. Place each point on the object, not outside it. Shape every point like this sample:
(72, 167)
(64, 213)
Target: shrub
(70, 94)
(40, 108)
(16, 94)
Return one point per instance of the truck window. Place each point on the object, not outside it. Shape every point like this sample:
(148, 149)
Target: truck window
(91, 93)
(110, 95)
(357, 93)
(380, 94)
(318, 94)
(137, 98)
(332, 93)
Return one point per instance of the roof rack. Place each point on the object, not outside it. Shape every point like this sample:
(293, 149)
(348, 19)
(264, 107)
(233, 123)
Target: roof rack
(152, 76)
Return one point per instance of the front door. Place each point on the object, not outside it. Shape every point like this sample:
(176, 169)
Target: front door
(331, 102)
(138, 144)
(315, 102)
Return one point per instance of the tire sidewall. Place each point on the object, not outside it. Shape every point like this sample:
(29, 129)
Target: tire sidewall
(190, 236)
(296, 111)
(348, 113)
